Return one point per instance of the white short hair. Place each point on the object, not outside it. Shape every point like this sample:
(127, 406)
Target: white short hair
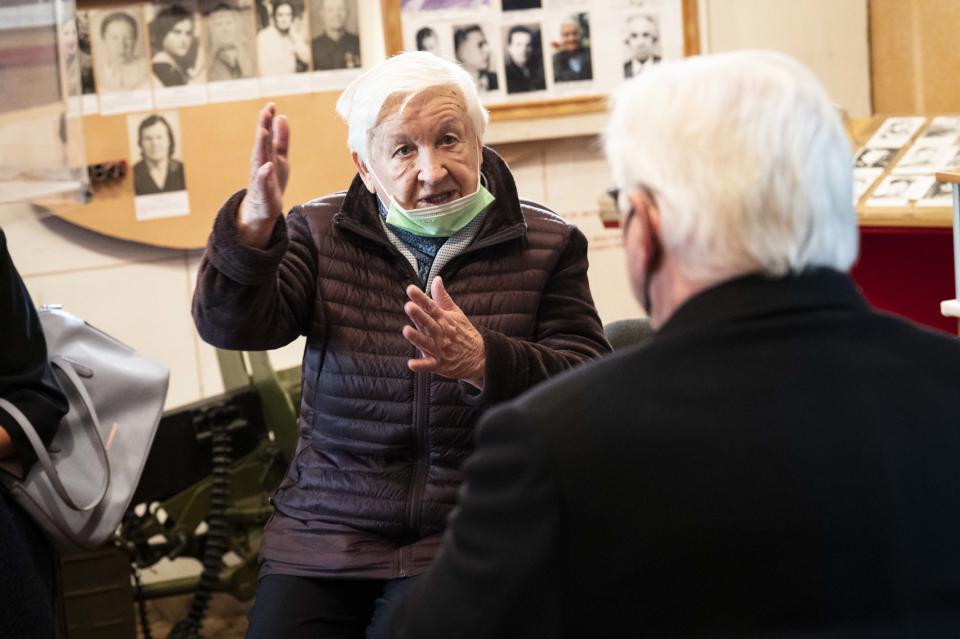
(747, 161)
(405, 74)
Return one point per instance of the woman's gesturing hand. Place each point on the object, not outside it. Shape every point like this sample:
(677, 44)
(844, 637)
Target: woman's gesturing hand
(269, 170)
(450, 344)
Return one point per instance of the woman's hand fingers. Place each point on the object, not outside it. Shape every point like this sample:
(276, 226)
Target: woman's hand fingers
(281, 148)
(262, 145)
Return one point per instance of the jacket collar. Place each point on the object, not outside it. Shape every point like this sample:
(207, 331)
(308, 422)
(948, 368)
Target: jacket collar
(757, 295)
(504, 219)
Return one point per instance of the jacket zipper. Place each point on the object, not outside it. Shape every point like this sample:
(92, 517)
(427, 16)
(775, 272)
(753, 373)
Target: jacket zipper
(421, 426)
(413, 514)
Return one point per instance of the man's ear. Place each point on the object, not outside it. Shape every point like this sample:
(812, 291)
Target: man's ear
(364, 172)
(647, 214)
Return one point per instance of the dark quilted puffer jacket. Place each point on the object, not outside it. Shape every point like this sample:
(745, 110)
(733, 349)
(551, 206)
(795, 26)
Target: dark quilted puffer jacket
(380, 452)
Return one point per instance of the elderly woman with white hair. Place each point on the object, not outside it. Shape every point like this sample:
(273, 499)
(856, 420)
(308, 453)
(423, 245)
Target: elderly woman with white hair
(394, 379)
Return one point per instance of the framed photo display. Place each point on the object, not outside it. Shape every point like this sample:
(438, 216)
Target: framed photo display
(537, 58)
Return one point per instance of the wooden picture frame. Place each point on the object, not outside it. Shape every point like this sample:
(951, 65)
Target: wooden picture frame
(393, 41)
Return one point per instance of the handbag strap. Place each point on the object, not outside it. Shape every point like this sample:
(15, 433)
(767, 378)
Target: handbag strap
(90, 424)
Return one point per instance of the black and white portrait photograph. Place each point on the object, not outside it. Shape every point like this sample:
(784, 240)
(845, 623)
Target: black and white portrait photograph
(77, 61)
(229, 34)
(641, 43)
(439, 5)
(523, 58)
(518, 5)
(175, 45)
(572, 60)
(939, 194)
(282, 40)
(334, 24)
(434, 36)
(155, 149)
(953, 159)
(119, 51)
(942, 130)
(896, 132)
(923, 159)
(874, 158)
(426, 39)
(159, 184)
(87, 82)
(863, 179)
(898, 190)
(472, 50)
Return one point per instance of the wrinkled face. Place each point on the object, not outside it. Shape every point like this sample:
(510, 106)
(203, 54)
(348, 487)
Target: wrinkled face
(569, 36)
(428, 154)
(155, 142)
(178, 39)
(283, 17)
(474, 51)
(120, 40)
(642, 37)
(335, 15)
(520, 48)
(223, 27)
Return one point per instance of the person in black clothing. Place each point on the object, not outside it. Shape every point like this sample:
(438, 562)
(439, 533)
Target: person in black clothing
(572, 61)
(473, 53)
(335, 48)
(27, 563)
(780, 460)
(157, 172)
(175, 46)
(641, 34)
(524, 65)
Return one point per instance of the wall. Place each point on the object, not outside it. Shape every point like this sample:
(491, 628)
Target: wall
(142, 294)
(830, 36)
(914, 55)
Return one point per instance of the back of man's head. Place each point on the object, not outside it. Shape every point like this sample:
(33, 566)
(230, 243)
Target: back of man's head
(747, 161)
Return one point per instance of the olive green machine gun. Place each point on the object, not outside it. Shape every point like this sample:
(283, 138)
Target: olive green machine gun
(204, 494)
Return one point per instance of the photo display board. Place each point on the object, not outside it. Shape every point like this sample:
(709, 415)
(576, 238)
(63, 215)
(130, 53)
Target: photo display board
(534, 58)
(170, 91)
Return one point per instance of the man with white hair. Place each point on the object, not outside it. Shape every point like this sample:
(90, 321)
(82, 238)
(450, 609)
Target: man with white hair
(641, 35)
(394, 379)
(779, 461)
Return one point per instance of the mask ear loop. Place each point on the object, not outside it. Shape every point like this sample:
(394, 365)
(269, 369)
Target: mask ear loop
(385, 205)
(483, 178)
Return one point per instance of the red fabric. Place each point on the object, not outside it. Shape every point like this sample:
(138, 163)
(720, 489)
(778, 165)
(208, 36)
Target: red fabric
(908, 271)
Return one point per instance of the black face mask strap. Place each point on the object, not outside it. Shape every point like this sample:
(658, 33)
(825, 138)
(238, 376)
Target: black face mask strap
(654, 261)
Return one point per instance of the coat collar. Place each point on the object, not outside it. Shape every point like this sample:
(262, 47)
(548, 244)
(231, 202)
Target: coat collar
(757, 295)
(359, 213)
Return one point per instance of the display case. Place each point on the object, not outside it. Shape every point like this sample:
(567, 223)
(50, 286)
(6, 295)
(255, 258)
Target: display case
(42, 151)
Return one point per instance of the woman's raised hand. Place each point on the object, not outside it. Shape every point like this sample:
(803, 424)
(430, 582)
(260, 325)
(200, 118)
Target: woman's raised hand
(269, 170)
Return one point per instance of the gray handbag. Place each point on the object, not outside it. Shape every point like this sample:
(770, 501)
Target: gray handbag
(83, 482)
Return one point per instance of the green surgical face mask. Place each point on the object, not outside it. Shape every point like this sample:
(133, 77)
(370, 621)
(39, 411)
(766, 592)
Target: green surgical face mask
(442, 220)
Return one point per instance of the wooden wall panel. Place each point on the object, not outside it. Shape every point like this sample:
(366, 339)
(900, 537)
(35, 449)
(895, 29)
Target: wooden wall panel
(829, 36)
(914, 56)
(216, 139)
